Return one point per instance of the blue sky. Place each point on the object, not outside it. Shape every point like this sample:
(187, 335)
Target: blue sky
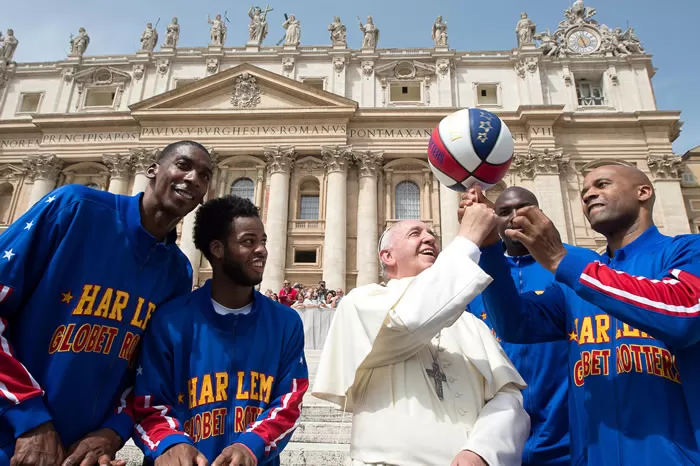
(667, 29)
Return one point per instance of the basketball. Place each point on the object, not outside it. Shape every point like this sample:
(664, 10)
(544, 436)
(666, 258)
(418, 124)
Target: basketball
(470, 146)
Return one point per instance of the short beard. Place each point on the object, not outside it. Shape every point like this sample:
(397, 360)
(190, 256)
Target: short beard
(236, 273)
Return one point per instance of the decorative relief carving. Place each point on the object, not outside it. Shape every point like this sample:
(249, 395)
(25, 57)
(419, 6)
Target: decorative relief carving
(308, 164)
(520, 69)
(369, 162)
(141, 159)
(339, 64)
(280, 159)
(288, 65)
(120, 165)
(531, 64)
(43, 167)
(163, 66)
(246, 93)
(138, 71)
(212, 65)
(532, 163)
(665, 167)
(336, 158)
(367, 68)
(442, 66)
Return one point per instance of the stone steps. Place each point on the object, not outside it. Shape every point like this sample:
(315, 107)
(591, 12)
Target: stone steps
(322, 432)
(314, 454)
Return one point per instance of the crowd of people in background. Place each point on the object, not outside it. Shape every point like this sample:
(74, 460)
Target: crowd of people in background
(299, 296)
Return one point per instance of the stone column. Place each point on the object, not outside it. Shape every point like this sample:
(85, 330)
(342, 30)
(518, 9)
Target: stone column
(120, 168)
(544, 168)
(43, 170)
(367, 234)
(141, 160)
(336, 159)
(280, 161)
(449, 225)
(259, 188)
(667, 171)
(388, 211)
(187, 244)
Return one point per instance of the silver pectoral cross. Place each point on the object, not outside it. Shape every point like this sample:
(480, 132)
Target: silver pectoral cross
(438, 377)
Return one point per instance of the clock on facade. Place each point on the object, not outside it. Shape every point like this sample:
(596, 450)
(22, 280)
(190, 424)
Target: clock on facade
(583, 41)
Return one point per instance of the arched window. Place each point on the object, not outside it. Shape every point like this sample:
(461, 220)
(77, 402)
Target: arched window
(243, 187)
(407, 201)
(6, 191)
(309, 199)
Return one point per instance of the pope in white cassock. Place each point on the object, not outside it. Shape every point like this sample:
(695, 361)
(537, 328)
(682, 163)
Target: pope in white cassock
(426, 382)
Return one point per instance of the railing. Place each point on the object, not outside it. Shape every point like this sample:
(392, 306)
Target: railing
(307, 224)
(317, 322)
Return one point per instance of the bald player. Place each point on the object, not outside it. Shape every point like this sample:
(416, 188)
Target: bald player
(544, 365)
(631, 317)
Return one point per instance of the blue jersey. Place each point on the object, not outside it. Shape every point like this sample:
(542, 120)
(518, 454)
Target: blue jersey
(544, 366)
(80, 278)
(212, 380)
(632, 322)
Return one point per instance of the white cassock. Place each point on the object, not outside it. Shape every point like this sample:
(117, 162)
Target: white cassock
(374, 364)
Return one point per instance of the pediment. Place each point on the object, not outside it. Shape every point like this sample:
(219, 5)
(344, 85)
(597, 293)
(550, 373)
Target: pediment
(102, 76)
(246, 89)
(405, 69)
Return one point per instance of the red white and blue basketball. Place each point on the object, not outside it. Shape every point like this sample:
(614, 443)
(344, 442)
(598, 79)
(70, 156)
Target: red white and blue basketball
(470, 146)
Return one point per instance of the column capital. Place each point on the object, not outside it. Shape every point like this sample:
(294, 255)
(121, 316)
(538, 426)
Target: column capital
(532, 163)
(120, 165)
(665, 167)
(280, 159)
(368, 161)
(141, 159)
(336, 158)
(43, 167)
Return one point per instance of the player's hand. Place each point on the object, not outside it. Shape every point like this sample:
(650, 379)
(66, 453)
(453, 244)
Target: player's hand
(235, 455)
(468, 458)
(539, 235)
(478, 222)
(40, 446)
(181, 454)
(472, 196)
(99, 447)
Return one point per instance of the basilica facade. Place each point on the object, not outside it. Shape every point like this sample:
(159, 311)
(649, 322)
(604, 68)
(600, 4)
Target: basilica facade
(330, 141)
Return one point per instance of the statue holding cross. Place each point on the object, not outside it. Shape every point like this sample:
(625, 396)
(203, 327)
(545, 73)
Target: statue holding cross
(257, 29)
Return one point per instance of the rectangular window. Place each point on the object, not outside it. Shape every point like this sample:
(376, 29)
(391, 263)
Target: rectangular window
(317, 83)
(304, 257)
(688, 178)
(100, 97)
(405, 92)
(487, 94)
(29, 102)
(589, 93)
(695, 205)
(309, 208)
